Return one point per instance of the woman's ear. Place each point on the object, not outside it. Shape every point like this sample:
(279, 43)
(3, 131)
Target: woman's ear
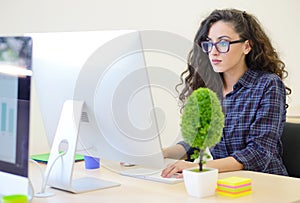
(247, 47)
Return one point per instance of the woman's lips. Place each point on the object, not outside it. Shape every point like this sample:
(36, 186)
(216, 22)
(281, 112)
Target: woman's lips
(216, 61)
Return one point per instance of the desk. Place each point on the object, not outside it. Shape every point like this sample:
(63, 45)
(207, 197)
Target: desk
(266, 188)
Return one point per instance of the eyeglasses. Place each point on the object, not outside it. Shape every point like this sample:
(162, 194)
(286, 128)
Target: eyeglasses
(221, 46)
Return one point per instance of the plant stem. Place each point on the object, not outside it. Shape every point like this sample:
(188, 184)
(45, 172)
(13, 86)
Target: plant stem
(201, 160)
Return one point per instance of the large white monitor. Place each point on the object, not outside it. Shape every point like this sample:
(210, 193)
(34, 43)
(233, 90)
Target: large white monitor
(15, 74)
(103, 76)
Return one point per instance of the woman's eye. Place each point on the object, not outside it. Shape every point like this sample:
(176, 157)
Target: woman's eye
(223, 43)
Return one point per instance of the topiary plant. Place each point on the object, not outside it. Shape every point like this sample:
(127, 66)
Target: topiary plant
(202, 122)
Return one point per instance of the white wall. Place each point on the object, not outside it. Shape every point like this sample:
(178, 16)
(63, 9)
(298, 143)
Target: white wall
(280, 19)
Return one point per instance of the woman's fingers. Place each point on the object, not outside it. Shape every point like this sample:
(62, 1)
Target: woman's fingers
(176, 169)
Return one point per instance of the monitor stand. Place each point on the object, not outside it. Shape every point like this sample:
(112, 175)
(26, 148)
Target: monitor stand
(60, 167)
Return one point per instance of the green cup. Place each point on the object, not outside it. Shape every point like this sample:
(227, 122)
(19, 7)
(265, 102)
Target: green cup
(15, 199)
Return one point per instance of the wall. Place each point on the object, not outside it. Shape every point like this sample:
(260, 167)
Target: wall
(280, 19)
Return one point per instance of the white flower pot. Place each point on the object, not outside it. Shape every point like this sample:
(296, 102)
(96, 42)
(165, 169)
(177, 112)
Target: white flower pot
(200, 184)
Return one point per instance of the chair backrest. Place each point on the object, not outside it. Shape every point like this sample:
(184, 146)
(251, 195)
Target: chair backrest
(291, 148)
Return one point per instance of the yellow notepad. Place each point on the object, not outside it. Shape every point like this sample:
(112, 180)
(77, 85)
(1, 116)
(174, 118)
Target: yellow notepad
(234, 181)
(234, 186)
(234, 195)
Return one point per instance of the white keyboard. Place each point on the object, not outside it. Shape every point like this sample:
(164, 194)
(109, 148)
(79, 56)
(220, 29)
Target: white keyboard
(150, 174)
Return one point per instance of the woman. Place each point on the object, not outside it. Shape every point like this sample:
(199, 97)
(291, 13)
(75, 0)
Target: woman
(251, 91)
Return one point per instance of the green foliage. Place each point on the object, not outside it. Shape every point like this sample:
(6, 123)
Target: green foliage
(202, 121)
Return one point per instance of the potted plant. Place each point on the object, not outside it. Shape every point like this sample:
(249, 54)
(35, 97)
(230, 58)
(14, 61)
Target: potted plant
(202, 124)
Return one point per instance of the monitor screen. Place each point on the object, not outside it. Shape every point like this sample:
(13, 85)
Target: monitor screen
(15, 74)
(106, 70)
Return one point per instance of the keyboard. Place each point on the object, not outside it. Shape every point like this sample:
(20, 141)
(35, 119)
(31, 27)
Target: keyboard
(150, 174)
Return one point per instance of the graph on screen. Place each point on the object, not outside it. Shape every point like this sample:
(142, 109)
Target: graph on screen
(8, 116)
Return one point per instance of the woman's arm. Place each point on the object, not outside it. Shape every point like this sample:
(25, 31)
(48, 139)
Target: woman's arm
(225, 164)
(175, 152)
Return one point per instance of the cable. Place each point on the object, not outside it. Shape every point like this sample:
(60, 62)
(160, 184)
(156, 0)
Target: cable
(45, 177)
(31, 190)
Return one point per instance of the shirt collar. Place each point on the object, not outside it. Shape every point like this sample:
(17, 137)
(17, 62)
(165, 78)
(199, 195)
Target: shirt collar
(247, 80)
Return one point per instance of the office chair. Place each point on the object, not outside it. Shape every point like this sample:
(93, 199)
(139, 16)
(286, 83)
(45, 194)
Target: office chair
(291, 148)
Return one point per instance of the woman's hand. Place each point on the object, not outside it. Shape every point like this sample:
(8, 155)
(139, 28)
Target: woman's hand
(177, 167)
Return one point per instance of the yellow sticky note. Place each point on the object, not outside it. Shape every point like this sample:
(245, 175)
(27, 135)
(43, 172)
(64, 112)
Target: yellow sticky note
(234, 181)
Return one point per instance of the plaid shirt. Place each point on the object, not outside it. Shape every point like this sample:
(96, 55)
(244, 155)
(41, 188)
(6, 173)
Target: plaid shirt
(255, 115)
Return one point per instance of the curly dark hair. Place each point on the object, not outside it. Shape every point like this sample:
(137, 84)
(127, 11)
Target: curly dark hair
(199, 72)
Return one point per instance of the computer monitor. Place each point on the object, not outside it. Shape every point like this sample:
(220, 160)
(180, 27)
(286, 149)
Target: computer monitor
(15, 74)
(103, 77)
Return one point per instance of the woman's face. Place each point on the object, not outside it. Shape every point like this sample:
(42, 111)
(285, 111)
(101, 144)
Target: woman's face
(234, 59)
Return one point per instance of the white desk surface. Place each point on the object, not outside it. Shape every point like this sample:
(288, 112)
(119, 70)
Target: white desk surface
(266, 188)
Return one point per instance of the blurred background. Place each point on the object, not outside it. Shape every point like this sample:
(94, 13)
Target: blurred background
(182, 18)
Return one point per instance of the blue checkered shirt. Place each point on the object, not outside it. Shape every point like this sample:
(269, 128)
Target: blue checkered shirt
(255, 115)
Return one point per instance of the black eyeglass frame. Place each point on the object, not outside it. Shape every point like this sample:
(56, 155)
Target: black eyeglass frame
(214, 44)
